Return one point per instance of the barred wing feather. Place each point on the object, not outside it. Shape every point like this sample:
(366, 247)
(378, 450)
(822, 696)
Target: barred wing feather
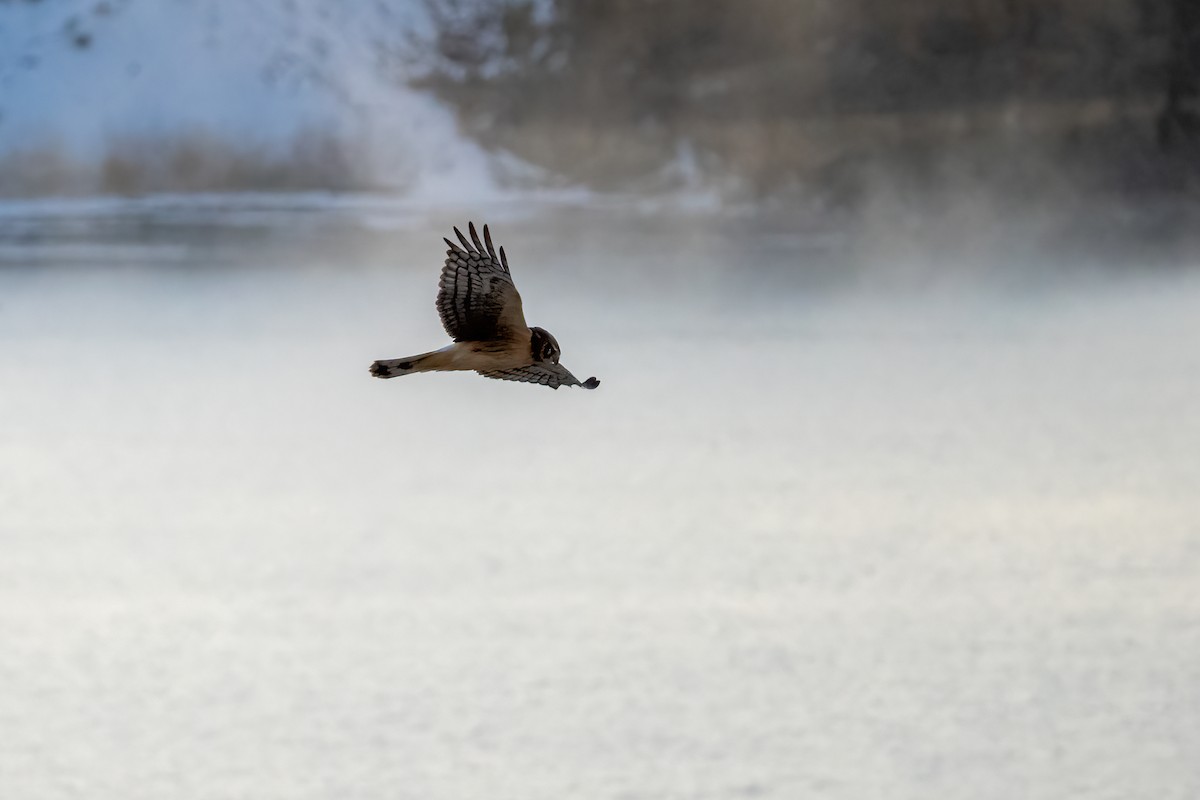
(552, 375)
(477, 299)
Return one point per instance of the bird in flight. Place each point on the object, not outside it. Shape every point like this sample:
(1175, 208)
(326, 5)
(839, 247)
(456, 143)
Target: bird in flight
(481, 311)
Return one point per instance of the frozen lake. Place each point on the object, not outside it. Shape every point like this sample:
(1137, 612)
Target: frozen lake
(807, 540)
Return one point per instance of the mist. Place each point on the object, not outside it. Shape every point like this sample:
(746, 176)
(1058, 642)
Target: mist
(888, 488)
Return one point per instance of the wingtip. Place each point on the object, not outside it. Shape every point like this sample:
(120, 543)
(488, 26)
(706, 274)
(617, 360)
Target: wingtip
(466, 245)
(591, 383)
(487, 240)
(475, 238)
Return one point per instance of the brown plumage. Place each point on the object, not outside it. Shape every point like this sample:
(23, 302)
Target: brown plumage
(481, 311)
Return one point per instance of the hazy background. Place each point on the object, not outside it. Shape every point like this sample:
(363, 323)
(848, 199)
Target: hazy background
(889, 489)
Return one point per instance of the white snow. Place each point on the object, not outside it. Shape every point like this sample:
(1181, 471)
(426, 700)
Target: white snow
(822, 547)
(83, 75)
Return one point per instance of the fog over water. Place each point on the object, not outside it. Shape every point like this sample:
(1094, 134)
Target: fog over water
(826, 529)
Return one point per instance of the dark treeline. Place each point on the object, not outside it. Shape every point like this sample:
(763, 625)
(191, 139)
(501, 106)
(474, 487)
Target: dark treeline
(1179, 123)
(775, 92)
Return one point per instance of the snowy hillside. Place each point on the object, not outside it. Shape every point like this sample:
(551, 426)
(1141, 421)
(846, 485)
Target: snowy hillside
(100, 86)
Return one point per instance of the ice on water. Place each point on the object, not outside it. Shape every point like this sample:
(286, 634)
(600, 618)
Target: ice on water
(801, 543)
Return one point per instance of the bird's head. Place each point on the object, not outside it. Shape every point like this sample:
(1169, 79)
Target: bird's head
(544, 346)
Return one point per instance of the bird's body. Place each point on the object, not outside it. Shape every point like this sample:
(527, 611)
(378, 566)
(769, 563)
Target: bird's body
(470, 356)
(482, 311)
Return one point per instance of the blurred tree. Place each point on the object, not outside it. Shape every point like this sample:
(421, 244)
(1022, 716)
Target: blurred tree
(1179, 122)
(773, 90)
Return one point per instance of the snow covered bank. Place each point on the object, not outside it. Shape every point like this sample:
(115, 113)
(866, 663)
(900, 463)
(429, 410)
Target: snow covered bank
(152, 95)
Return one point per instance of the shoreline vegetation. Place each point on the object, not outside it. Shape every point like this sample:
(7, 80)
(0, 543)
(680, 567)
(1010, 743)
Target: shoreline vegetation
(825, 102)
(183, 162)
(773, 96)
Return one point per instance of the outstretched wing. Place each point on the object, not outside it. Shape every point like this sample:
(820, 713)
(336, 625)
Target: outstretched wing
(477, 299)
(552, 375)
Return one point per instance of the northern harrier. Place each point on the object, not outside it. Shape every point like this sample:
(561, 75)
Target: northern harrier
(481, 310)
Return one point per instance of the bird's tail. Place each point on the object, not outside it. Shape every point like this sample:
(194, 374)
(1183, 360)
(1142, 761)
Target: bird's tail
(395, 367)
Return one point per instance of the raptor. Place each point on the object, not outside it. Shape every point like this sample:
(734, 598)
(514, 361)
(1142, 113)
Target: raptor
(481, 311)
